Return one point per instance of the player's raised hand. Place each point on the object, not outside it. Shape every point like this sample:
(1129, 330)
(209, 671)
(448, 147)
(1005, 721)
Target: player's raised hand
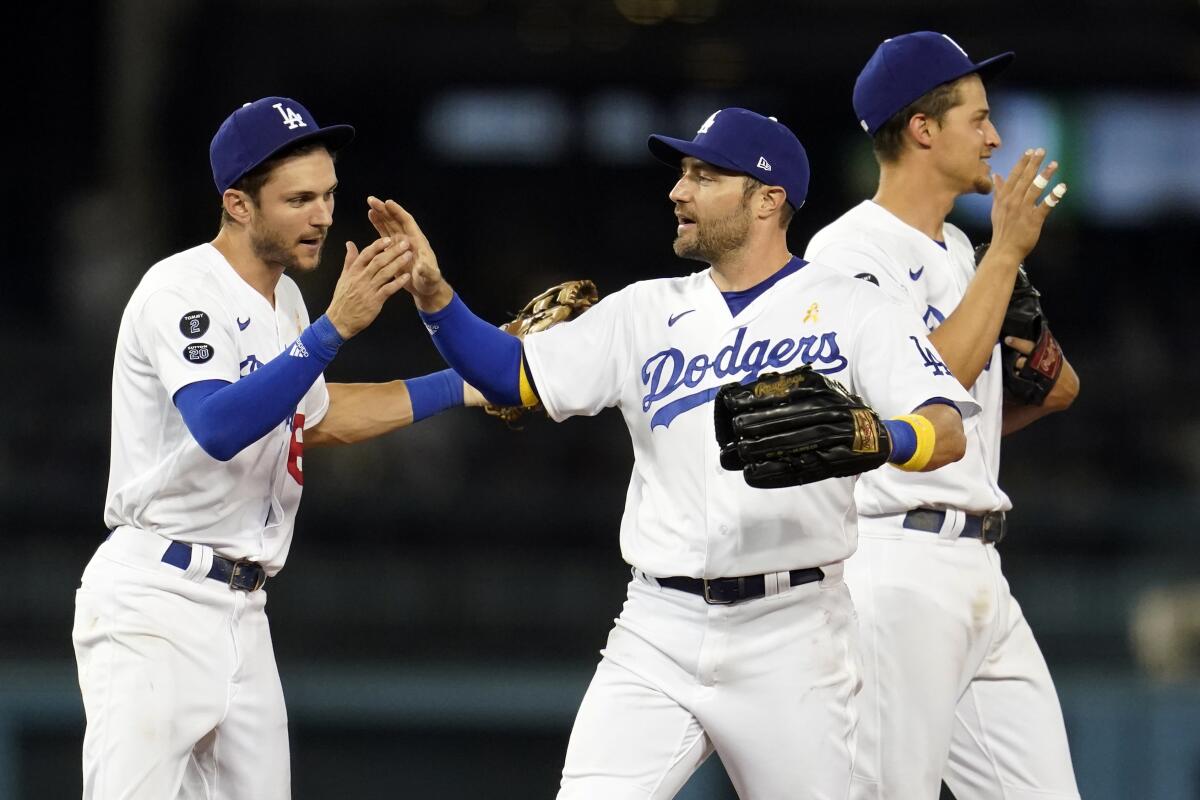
(368, 279)
(1017, 215)
(429, 289)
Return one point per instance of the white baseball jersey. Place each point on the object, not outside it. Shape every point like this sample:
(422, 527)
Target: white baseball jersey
(660, 349)
(869, 242)
(192, 318)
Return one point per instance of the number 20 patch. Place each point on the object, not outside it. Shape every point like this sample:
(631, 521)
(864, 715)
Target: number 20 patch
(198, 353)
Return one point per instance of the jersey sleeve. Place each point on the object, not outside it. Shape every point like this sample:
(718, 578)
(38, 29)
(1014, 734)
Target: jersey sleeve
(579, 367)
(859, 260)
(187, 336)
(896, 368)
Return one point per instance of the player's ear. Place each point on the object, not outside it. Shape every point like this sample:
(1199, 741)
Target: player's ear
(237, 205)
(921, 127)
(770, 200)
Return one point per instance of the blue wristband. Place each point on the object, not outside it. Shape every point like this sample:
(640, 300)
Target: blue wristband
(323, 338)
(904, 440)
(432, 394)
(485, 356)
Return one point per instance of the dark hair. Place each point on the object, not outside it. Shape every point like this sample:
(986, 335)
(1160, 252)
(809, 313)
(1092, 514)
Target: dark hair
(889, 139)
(253, 181)
(750, 185)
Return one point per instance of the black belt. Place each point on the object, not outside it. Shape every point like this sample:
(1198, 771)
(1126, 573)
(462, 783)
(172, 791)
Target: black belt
(988, 528)
(244, 575)
(722, 591)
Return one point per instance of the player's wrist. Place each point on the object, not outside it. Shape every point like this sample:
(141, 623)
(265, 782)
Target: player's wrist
(435, 301)
(1003, 255)
(340, 325)
(326, 337)
(913, 439)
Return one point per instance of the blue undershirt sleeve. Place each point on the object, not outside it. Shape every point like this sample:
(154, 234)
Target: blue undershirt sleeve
(485, 356)
(225, 418)
(432, 394)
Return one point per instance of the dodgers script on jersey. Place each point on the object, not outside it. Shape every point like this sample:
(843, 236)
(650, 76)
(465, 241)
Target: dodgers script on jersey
(191, 319)
(868, 242)
(660, 349)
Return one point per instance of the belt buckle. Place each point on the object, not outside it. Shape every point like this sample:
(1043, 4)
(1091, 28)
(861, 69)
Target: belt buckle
(713, 601)
(238, 565)
(992, 521)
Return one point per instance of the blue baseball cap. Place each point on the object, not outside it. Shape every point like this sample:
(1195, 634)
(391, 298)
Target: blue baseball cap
(258, 130)
(904, 68)
(741, 141)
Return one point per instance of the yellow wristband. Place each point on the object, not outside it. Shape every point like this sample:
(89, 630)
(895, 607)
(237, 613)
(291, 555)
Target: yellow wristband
(926, 440)
(529, 398)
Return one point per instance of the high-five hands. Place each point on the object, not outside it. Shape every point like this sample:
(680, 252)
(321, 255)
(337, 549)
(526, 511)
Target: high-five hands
(427, 286)
(368, 279)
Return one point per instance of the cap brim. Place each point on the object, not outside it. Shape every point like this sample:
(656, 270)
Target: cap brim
(671, 151)
(991, 67)
(334, 137)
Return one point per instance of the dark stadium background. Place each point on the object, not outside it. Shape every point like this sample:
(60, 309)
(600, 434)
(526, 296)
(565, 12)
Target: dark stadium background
(450, 585)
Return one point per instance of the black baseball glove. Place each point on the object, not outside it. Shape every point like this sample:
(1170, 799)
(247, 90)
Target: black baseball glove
(557, 304)
(1024, 319)
(797, 427)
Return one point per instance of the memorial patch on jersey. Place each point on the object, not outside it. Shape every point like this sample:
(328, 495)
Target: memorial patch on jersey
(194, 324)
(198, 353)
(868, 277)
(668, 371)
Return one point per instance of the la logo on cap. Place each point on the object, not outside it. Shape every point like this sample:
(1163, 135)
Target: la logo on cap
(290, 117)
(708, 123)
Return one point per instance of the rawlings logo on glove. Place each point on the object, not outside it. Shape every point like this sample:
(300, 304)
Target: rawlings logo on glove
(797, 427)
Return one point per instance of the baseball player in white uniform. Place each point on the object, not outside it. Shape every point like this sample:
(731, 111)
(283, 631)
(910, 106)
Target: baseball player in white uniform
(955, 686)
(738, 634)
(217, 389)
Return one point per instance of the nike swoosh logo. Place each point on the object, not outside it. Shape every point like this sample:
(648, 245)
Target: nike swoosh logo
(243, 325)
(675, 317)
(915, 275)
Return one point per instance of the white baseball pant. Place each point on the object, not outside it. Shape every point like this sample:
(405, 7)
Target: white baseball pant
(178, 678)
(954, 685)
(767, 683)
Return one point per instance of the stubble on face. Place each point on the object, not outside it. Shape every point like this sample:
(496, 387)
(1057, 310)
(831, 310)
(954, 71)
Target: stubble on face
(270, 246)
(714, 239)
(982, 185)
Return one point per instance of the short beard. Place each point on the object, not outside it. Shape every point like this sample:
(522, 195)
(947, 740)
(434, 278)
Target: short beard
(716, 239)
(270, 248)
(983, 185)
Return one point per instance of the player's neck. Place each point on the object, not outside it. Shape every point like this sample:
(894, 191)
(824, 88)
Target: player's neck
(916, 197)
(235, 246)
(750, 264)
